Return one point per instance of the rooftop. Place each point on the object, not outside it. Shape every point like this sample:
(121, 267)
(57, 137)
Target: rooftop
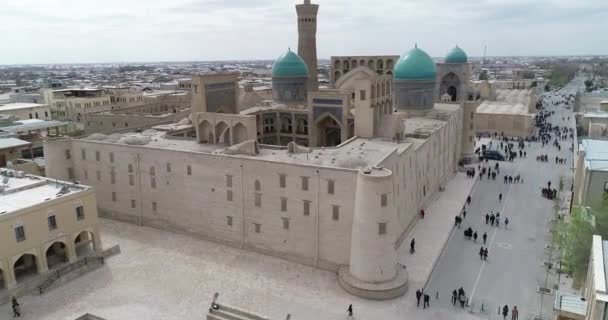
(27, 125)
(596, 154)
(508, 102)
(7, 143)
(19, 191)
(17, 106)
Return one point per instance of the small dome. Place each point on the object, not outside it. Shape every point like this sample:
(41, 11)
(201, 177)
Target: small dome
(415, 65)
(457, 55)
(289, 65)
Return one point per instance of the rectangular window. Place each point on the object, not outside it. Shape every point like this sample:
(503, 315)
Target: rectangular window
(362, 95)
(229, 195)
(283, 204)
(189, 170)
(111, 157)
(71, 174)
(154, 206)
(97, 156)
(306, 204)
(382, 228)
(228, 181)
(305, 183)
(168, 167)
(98, 174)
(153, 182)
(152, 171)
(258, 200)
(80, 213)
(285, 223)
(113, 196)
(68, 154)
(52, 221)
(282, 181)
(112, 176)
(383, 199)
(257, 227)
(130, 168)
(19, 233)
(330, 186)
(132, 204)
(335, 212)
(229, 220)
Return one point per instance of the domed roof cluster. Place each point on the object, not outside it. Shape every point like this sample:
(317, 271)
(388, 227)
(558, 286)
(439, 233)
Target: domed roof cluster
(457, 55)
(418, 65)
(289, 65)
(415, 65)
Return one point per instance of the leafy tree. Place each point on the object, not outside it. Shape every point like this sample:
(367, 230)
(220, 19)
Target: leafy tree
(483, 75)
(588, 85)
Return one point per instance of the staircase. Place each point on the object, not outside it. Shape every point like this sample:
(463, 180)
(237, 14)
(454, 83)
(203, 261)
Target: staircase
(82, 266)
(223, 312)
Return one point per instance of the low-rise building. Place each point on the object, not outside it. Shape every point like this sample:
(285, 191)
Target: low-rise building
(595, 291)
(591, 173)
(511, 114)
(44, 224)
(24, 111)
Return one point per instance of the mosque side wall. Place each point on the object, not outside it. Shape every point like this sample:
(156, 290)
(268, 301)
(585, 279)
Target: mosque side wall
(198, 204)
(420, 170)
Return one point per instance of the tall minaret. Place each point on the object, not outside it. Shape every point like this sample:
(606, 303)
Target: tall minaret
(307, 40)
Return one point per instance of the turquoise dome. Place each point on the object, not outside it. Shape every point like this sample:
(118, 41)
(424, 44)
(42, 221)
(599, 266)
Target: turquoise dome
(289, 64)
(415, 65)
(457, 55)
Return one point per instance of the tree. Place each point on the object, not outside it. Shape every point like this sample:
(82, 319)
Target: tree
(588, 85)
(483, 75)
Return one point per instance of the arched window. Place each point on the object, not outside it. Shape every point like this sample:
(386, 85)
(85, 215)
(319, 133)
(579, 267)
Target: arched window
(257, 185)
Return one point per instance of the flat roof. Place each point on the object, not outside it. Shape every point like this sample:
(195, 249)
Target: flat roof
(596, 154)
(7, 143)
(508, 101)
(17, 106)
(26, 191)
(33, 126)
(570, 303)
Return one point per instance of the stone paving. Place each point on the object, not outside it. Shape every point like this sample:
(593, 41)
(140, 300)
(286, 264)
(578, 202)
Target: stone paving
(162, 275)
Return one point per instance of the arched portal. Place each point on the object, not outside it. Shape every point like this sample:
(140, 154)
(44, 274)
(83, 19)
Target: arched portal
(84, 244)
(329, 132)
(286, 124)
(25, 267)
(453, 92)
(205, 132)
(239, 133)
(449, 84)
(222, 133)
(56, 255)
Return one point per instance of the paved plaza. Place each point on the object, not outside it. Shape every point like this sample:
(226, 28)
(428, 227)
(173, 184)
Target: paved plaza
(162, 275)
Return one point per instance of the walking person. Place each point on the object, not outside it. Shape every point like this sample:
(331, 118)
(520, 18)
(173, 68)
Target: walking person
(497, 221)
(485, 254)
(481, 253)
(500, 197)
(350, 310)
(464, 214)
(469, 200)
(426, 302)
(16, 308)
(421, 213)
(505, 311)
(485, 236)
(506, 222)
(487, 218)
(454, 297)
(492, 218)
(418, 296)
(413, 246)
(475, 237)
(514, 313)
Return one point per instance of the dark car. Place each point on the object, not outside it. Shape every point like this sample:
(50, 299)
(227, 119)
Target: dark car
(493, 155)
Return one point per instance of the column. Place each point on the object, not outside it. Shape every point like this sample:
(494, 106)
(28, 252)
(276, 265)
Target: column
(71, 251)
(9, 276)
(97, 238)
(41, 263)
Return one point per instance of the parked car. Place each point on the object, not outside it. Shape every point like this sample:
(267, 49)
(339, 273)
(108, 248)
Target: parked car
(493, 155)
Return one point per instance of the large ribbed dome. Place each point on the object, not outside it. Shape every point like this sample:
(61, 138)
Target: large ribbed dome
(289, 65)
(457, 55)
(415, 65)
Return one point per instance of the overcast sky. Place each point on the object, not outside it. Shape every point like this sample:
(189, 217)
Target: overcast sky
(71, 31)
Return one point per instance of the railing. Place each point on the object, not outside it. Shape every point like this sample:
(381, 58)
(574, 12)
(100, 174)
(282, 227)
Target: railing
(65, 270)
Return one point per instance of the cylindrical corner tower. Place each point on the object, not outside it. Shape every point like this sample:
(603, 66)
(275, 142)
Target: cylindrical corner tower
(374, 272)
(307, 40)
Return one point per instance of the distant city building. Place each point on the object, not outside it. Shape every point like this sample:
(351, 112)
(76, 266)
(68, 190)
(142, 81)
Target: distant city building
(23, 111)
(591, 172)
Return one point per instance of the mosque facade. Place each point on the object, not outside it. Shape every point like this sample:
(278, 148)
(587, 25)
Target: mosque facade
(330, 178)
